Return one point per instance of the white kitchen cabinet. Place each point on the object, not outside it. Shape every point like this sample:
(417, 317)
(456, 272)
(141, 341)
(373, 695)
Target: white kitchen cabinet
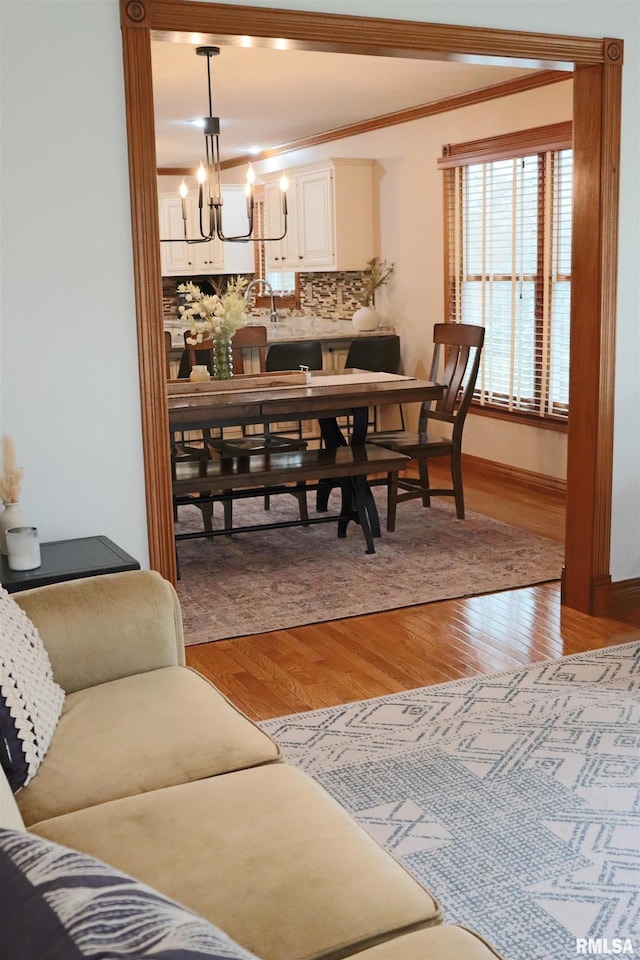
(184, 259)
(192, 259)
(330, 222)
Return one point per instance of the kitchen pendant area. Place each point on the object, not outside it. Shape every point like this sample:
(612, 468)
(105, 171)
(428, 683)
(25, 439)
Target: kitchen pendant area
(327, 245)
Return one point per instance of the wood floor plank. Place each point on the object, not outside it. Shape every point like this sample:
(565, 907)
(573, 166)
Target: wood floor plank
(321, 665)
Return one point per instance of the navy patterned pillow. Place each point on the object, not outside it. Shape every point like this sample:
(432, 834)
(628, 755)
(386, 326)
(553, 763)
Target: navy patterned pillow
(58, 904)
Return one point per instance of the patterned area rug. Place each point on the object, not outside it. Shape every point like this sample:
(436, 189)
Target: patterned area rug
(513, 797)
(271, 580)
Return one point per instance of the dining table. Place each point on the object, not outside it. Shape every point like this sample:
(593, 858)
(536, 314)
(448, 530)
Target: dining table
(301, 395)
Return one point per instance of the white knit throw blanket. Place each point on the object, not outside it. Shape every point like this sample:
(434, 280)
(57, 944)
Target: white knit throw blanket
(34, 700)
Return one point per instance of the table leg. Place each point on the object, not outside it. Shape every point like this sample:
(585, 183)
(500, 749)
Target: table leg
(332, 438)
(357, 499)
(355, 507)
(360, 425)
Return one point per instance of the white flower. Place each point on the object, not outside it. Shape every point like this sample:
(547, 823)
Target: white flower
(211, 316)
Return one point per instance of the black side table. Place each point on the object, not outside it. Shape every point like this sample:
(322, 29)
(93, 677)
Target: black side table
(68, 560)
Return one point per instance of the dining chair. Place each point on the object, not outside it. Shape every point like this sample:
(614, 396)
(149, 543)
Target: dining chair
(455, 363)
(167, 354)
(280, 356)
(379, 354)
(198, 448)
(251, 336)
(291, 356)
(187, 448)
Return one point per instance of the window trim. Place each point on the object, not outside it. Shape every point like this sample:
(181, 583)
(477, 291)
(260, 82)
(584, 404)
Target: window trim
(555, 136)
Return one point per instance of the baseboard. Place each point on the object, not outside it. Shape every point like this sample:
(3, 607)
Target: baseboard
(504, 472)
(614, 599)
(600, 603)
(625, 594)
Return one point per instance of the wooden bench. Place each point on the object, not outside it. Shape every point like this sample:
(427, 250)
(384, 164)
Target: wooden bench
(237, 478)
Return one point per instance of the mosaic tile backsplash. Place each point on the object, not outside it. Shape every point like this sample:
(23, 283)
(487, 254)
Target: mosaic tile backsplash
(335, 295)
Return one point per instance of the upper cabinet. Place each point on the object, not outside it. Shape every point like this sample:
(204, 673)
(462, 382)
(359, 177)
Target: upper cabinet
(180, 259)
(330, 217)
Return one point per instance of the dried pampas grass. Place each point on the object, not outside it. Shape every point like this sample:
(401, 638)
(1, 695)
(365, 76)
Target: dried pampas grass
(12, 475)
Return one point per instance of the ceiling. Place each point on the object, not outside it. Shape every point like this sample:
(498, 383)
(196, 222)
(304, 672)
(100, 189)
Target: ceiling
(267, 97)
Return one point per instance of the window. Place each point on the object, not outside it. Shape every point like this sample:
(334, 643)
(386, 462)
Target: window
(282, 281)
(508, 257)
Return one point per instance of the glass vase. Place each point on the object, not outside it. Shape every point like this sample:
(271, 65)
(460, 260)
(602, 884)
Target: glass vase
(222, 358)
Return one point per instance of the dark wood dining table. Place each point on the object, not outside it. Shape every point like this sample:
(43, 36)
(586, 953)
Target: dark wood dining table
(328, 396)
(325, 396)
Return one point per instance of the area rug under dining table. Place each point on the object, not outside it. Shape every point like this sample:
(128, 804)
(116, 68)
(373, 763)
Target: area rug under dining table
(513, 797)
(271, 580)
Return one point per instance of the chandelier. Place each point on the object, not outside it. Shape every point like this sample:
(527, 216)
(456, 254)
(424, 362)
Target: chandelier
(209, 183)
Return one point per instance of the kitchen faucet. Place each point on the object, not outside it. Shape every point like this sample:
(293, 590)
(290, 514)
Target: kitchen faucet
(273, 315)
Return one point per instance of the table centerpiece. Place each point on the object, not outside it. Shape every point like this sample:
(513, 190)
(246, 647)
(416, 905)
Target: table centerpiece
(215, 317)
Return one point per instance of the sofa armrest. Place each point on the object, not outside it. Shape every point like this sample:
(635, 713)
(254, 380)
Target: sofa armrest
(106, 627)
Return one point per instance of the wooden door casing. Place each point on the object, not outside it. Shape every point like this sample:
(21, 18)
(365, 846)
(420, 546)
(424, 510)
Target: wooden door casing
(597, 110)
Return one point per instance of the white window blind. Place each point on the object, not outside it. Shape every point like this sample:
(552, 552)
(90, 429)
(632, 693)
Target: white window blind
(509, 263)
(283, 282)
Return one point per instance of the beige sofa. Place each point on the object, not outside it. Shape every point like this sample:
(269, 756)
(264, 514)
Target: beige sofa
(153, 771)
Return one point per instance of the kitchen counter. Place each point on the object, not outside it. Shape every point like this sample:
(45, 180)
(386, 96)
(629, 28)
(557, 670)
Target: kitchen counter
(290, 329)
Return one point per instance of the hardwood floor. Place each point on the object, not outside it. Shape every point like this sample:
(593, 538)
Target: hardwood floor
(288, 671)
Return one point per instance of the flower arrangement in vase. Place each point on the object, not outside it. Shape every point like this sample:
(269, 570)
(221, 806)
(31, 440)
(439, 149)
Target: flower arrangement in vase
(215, 317)
(10, 486)
(378, 274)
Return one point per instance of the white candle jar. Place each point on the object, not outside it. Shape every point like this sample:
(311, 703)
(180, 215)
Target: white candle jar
(199, 372)
(23, 548)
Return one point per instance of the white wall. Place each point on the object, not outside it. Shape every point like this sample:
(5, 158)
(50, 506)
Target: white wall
(66, 256)
(69, 392)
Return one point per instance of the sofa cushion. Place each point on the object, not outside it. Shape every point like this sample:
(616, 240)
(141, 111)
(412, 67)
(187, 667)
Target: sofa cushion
(446, 942)
(139, 733)
(30, 699)
(265, 854)
(58, 904)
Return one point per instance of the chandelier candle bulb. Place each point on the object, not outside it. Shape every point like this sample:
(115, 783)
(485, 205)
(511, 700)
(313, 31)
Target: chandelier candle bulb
(201, 177)
(183, 196)
(23, 548)
(249, 190)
